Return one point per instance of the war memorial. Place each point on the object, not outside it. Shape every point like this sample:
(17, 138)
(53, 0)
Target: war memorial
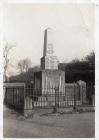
(49, 76)
(49, 89)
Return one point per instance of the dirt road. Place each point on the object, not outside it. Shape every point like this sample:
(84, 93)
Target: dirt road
(62, 126)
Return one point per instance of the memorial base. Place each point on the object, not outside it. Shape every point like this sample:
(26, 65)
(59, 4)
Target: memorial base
(49, 79)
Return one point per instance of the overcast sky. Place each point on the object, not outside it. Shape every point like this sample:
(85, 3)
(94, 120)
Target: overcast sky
(72, 24)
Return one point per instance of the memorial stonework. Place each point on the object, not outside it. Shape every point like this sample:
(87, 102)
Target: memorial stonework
(49, 79)
(49, 76)
(82, 85)
(49, 88)
(49, 60)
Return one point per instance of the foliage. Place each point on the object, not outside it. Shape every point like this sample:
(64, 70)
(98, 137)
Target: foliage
(24, 65)
(26, 77)
(80, 70)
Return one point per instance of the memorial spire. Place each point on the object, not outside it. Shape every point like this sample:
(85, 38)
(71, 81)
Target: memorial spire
(49, 60)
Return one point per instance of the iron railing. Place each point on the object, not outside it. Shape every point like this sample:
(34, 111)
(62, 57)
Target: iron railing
(54, 97)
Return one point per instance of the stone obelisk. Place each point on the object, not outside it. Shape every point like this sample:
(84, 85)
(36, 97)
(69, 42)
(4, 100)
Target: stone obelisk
(49, 77)
(49, 60)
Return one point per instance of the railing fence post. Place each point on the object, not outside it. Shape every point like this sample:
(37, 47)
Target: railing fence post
(74, 98)
(56, 100)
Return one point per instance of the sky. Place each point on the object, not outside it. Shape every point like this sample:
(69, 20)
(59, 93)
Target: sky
(72, 24)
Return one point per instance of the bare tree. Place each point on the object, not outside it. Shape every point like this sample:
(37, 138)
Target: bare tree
(6, 52)
(24, 65)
